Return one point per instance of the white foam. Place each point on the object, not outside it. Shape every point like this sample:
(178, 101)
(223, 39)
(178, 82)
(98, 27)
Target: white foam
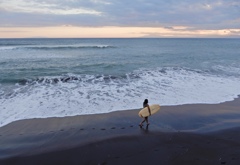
(54, 46)
(227, 69)
(90, 94)
(7, 47)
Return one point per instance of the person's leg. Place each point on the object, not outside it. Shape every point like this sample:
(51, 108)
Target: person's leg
(141, 124)
(147, 120)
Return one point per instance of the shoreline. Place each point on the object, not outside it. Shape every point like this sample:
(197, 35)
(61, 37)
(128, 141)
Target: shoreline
(179, 134)
(117, 111)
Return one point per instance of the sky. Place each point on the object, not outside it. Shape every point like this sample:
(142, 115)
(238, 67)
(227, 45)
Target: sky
(119, 18)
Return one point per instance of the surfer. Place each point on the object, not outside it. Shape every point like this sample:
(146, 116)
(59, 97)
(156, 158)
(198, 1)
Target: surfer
(145, 104)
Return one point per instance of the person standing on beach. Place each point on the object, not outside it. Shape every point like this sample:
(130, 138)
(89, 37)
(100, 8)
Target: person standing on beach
(145, 104)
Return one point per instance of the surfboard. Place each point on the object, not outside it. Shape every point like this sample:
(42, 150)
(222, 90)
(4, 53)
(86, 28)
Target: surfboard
(153, 108)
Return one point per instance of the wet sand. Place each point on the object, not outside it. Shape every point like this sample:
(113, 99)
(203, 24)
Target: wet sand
(184, 134)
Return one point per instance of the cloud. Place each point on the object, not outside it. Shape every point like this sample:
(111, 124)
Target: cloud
(23, 6)
(113, 32)
(12, 31)
(235, 32)
(197, 15)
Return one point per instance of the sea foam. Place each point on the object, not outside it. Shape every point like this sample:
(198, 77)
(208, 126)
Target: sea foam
(72, 94)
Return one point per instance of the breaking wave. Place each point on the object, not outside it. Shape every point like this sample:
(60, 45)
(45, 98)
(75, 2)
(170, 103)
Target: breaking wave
(72, 94)
(54, 47)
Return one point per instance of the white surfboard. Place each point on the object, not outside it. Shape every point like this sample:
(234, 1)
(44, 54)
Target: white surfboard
(153, 108)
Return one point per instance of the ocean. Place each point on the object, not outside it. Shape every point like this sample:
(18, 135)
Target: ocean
(42, 78)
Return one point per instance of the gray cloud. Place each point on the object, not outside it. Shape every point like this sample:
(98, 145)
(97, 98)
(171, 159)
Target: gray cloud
(235, 32)
(202, 14)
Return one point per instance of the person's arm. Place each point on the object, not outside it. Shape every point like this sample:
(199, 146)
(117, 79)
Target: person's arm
(149, 110)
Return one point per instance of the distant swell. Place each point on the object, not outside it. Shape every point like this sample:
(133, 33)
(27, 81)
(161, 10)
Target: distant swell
(55, 47)
(71, 47)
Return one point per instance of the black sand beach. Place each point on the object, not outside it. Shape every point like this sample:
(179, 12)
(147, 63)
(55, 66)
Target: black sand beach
(195, 134)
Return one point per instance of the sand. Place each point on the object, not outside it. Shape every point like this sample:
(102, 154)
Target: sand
(185, 134)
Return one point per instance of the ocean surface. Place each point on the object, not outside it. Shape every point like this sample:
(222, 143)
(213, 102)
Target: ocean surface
(42, 78)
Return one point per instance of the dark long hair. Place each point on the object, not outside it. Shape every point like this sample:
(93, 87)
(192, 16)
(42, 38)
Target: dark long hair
(145, 102)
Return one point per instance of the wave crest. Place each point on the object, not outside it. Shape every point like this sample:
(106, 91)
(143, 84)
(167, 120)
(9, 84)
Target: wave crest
(54, 47)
